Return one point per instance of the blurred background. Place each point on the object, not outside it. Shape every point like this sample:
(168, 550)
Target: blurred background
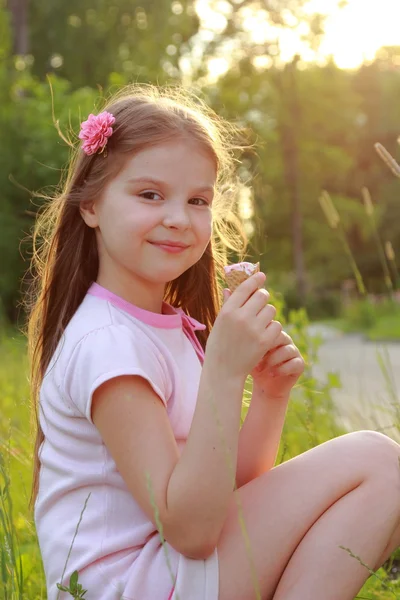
(316, 82)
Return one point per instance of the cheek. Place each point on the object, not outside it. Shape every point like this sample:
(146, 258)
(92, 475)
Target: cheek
(206, 227)
(209, 233)
(117, 231)
(139, 221)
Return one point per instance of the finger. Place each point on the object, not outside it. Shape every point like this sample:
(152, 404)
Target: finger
(291, 368)
(226, 294)
(281, 355)
(246, 289)
(283, 340)
(266, 315)
(272, 332)
(256, 302)
(279, 343)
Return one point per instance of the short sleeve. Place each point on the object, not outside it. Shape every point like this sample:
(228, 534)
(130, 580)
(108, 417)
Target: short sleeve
(109, 352)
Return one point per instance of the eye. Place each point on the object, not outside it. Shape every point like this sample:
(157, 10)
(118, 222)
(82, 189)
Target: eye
(203, 200)
(148, 194)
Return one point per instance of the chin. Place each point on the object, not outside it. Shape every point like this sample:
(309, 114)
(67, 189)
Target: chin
(166, 273)
(163, 277)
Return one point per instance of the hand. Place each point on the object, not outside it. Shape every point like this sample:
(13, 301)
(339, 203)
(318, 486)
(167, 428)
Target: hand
(244, 330)
(279, 369)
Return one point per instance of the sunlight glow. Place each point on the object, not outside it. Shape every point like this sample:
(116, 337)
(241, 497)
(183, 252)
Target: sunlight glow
(356, 32)
(353, 34)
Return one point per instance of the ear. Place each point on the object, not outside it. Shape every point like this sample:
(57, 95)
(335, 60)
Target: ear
(89, 214)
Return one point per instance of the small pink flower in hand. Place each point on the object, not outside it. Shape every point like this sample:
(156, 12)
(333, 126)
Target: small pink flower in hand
(96, 131)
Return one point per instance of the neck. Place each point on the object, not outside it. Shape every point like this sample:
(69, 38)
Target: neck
(142, 294)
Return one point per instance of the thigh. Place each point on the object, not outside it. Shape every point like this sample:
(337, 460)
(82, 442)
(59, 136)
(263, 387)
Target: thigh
(280, 506)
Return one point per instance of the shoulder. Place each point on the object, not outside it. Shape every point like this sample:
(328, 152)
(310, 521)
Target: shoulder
(96, 324)
(109, 351)
(96, 345)
(108, 344)
(91, 315)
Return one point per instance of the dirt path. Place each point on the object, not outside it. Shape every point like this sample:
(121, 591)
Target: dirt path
(368, 398)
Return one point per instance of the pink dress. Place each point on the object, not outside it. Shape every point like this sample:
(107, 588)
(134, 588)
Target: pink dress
(117, 550)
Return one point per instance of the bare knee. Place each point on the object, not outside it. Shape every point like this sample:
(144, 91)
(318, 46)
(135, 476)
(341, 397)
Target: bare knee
(381, 452)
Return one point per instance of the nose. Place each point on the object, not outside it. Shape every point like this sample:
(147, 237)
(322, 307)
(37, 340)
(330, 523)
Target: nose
(177, 216)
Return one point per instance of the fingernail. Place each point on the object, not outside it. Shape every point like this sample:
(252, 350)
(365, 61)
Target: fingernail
(261, 278)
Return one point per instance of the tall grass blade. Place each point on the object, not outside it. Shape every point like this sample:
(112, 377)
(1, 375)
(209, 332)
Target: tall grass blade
(333, 219)
(369, 209)
(388, 159)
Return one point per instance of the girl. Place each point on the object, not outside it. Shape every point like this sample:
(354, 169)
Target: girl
(138, 446)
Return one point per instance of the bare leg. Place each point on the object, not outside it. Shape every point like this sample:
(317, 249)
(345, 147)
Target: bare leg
(358, 471)
(392, 546)
(362, 521)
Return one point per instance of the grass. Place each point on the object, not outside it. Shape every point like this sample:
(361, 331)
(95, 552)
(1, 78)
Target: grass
(310, 421)
(21, 568)
(376, 324)
(387, 328)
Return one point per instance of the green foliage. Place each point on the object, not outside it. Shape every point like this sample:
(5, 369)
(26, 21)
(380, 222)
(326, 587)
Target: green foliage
(21, 576)
(8, 553)
(86, 42)
(75, 589)
(311, 414)
(378, 320)
(325, 158)
(387, 328)
(32, 156)
(360, 316)
(341, 115)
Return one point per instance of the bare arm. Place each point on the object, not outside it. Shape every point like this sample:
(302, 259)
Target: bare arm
(203, 481)
(273, 380)
(260, 436)
(191, 491)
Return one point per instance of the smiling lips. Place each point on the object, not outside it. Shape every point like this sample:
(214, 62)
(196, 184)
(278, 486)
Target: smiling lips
(169, 246)
(170, 243)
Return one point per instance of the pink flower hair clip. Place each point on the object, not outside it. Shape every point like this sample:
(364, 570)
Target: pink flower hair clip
(96, 131)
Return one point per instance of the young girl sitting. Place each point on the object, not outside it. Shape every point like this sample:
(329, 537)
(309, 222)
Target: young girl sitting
(142, 473)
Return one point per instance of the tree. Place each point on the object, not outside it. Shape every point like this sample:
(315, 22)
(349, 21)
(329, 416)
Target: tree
(325, 140)
(288, 128)
(244, 45)
(85, 41)
(19, 12)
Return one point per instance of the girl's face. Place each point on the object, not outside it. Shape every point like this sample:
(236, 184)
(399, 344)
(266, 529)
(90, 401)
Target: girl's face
(163, 194)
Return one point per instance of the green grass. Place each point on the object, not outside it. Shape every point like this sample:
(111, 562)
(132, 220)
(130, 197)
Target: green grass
(375, 323)
(386, 328)
(310, 421)
(15, 449)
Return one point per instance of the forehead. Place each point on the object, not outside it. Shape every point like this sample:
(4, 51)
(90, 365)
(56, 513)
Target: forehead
(181, 159)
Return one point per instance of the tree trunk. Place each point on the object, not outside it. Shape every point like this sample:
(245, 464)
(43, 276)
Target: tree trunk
(289, 121)
(19, 21)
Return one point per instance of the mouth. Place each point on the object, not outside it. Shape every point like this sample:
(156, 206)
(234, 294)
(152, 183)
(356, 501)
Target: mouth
(171, 248)
(170, 244)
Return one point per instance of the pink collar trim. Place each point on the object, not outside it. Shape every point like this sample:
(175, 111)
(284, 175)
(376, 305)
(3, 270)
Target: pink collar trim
(170, 318)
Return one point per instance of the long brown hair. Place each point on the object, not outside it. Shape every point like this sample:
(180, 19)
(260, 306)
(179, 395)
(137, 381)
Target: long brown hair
(65, 260)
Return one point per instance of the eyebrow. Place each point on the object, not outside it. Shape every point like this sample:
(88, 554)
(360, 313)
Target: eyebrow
(154, 181)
